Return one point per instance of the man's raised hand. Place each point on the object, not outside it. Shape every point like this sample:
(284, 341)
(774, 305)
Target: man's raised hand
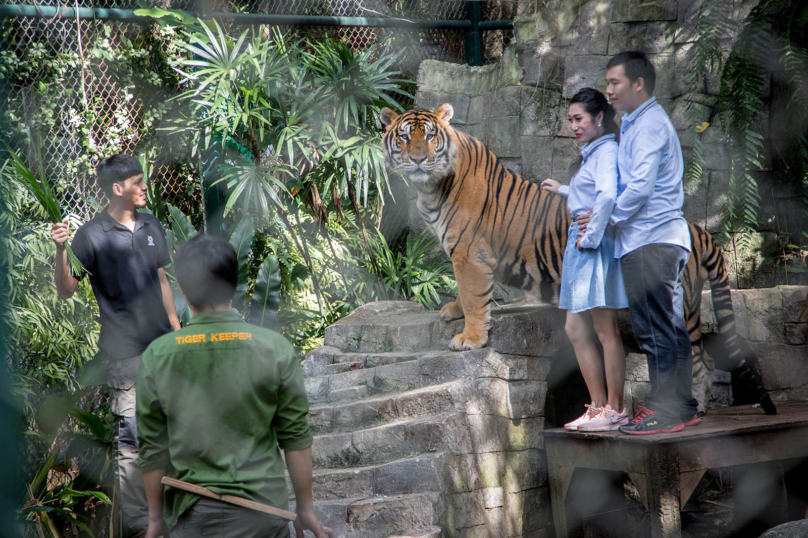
(60, 234)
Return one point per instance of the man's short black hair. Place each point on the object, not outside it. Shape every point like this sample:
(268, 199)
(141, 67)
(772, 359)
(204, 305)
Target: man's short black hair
(207, 271)
(116, 169)
(636, 65)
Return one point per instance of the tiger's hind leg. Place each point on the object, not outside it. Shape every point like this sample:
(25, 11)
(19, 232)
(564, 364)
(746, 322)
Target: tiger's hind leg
(475, 283)
(453, 310)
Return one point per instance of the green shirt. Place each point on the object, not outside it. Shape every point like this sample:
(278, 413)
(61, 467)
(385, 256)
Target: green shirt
(215, 400)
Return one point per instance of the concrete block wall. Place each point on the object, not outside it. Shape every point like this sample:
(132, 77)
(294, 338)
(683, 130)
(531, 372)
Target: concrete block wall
(518, 107)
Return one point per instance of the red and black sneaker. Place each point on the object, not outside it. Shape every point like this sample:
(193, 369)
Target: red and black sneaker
(646, 422)
(691, 420)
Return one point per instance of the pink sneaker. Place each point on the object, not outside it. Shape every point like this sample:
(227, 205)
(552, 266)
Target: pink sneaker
(608, 419)
(591, 412)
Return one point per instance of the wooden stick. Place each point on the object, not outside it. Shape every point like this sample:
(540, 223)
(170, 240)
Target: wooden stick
(231, 499)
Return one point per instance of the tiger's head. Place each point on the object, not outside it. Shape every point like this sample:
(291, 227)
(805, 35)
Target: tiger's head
(419, 144)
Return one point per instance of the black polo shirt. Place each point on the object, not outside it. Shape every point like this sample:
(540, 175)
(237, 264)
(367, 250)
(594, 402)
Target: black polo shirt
(123, 267)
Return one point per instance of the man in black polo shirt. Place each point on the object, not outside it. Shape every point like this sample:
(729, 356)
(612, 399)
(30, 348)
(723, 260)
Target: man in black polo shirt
(125, 253)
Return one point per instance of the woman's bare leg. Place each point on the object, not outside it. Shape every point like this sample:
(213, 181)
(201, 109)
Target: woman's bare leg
(614, 356)
(578, 330)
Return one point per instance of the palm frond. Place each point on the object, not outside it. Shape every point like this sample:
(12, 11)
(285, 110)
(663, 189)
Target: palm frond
(42, 192)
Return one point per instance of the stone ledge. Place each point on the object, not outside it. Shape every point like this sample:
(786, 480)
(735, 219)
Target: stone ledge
(451, 78)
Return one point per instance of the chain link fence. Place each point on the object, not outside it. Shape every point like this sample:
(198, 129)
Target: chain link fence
(64, 81)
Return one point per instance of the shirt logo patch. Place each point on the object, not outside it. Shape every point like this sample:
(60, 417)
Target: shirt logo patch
(151, 241)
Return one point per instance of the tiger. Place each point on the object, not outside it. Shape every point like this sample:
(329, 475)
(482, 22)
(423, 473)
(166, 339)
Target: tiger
(496, 226)
(478, 210)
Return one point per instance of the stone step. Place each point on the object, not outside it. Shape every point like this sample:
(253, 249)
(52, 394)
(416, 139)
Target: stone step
(391, 326)
(432, 368)
(455, 433)
(400, 326)
(419, 474)
(327, 360)
(416, 514)
(431, 532)
(394, 441)
(378, 410)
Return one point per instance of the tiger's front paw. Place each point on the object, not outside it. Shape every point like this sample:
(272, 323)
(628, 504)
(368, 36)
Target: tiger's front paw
(467, 340)
(451, 311)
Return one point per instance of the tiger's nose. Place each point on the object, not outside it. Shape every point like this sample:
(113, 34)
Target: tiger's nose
(417, 160)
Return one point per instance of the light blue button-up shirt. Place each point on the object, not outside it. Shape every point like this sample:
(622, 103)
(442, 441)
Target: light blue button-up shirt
(650, 192)
(594, 186)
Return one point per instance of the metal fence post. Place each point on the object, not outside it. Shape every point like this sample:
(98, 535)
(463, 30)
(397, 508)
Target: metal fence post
(473, 50)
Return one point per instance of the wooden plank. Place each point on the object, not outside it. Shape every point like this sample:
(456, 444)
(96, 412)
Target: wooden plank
(560, 479)
(663, 492)
(728, 421)
(687, 483)
(609, 456)
(230, 499)
(640, 482)
(743, 449)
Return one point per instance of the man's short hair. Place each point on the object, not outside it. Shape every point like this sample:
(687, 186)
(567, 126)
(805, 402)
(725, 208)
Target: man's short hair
(636, 65)
(116, 169)
(207, 271)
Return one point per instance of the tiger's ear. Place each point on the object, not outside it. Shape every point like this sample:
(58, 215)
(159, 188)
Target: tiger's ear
(387, 117)
(445, 112)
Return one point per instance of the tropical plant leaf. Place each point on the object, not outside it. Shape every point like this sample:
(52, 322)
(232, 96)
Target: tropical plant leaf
(92, 421)
(54, 411)
(242, 240)
(266, 294)
(182, 227)
(41, 190)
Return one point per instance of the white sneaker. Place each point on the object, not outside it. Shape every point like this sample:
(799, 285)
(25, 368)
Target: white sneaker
(591, 412)
(608, 419)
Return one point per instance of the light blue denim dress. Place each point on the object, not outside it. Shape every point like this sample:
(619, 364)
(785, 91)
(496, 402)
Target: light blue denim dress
(591, 277)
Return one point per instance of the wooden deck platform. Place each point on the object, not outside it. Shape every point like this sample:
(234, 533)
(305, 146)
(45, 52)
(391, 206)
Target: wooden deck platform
(666, 468)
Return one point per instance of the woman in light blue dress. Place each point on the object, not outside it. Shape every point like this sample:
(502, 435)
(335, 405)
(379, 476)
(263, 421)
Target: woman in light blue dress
(591, 283)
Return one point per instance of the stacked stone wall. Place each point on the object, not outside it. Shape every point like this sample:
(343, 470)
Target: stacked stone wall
(412, 439)
(518, 107)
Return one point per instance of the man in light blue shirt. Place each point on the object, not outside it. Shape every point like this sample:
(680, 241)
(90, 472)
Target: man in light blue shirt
(653, 243)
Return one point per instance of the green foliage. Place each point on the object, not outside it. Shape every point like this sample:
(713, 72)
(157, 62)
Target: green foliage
(50, 101)
(300, 118)
(256, 299)
(54, 496)
(420, 271)
(266, 294)
(50, 339)
(773, 31)
(41, 190)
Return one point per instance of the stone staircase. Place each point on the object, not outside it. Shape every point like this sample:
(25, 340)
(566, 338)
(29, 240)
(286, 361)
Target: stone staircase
(412, 439)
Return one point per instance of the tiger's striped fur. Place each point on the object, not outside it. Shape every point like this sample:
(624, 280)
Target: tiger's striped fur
(707, 263)
(498, 227)
(494, 225)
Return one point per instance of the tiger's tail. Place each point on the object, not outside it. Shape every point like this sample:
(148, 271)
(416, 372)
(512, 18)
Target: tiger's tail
(738, 355)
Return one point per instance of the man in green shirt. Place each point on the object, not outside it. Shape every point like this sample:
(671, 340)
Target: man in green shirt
(216, 402)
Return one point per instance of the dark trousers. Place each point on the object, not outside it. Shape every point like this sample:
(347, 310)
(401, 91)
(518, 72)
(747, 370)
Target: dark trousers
(216, 519)
(652, 276)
